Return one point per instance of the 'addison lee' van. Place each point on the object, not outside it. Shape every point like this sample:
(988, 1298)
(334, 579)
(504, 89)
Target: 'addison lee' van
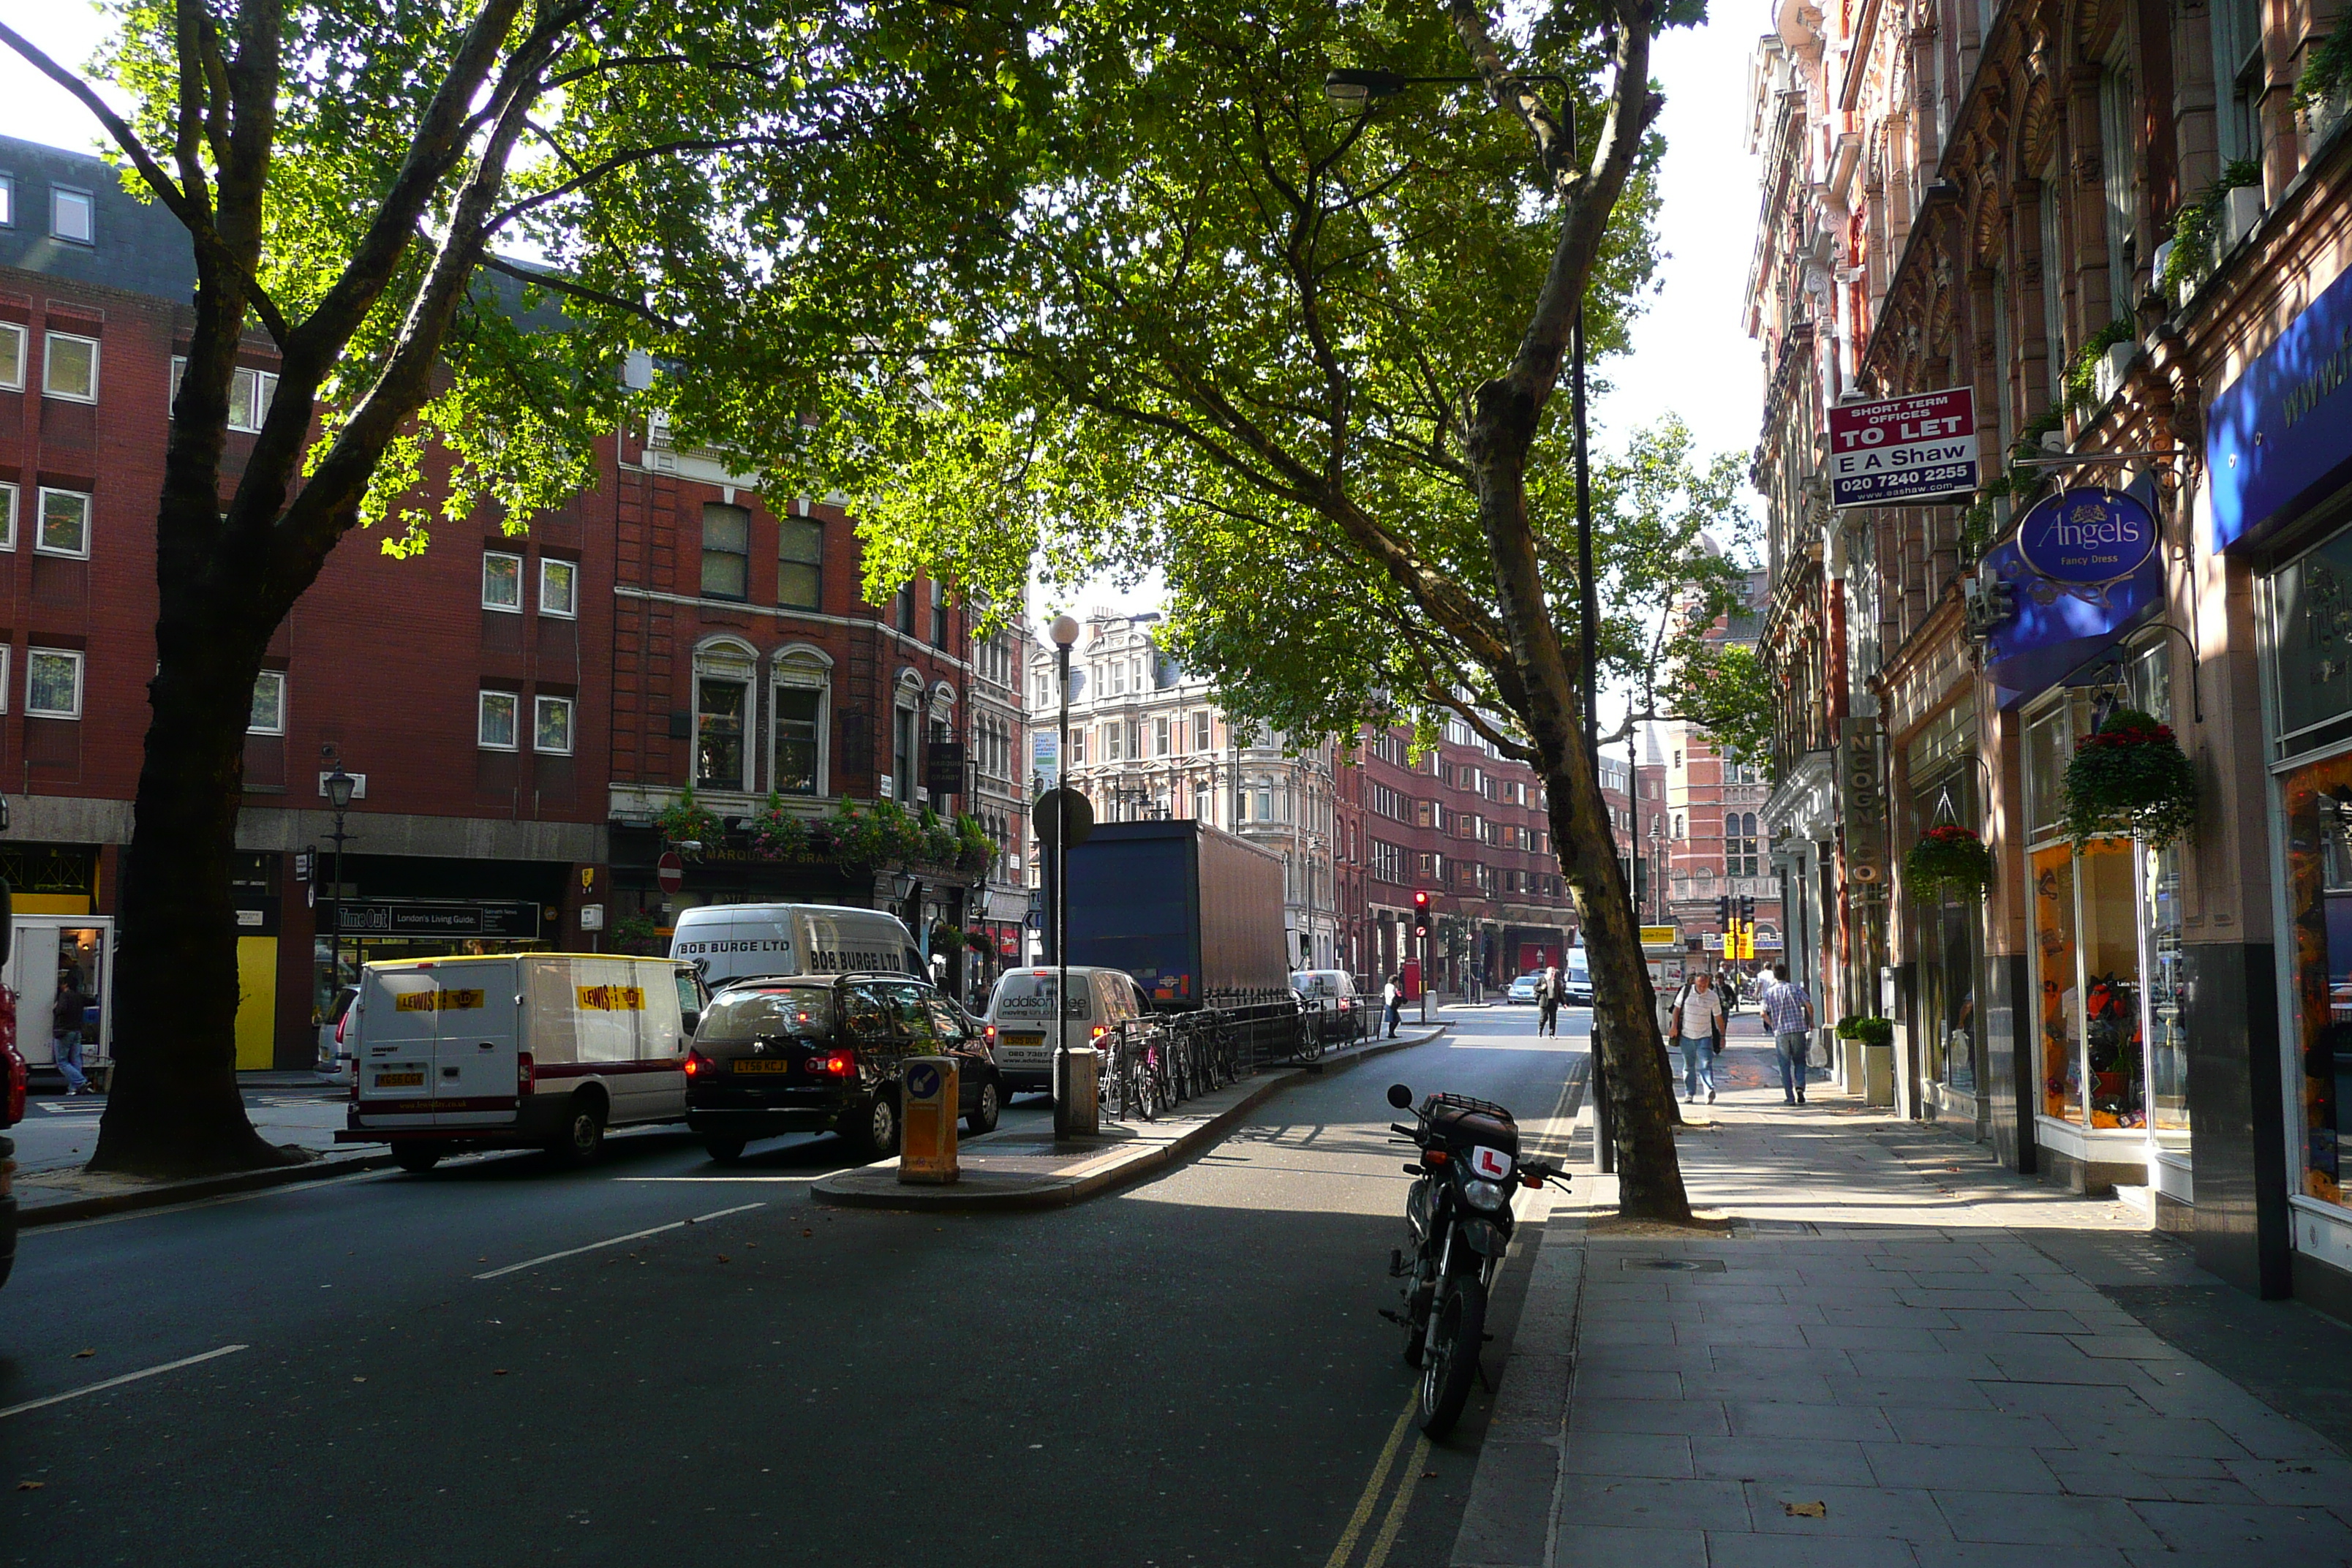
(527, 1049)
(737, 942)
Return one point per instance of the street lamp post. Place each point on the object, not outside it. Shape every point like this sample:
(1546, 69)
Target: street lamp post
(339, 796)
(1064, 632)
(1355, 91)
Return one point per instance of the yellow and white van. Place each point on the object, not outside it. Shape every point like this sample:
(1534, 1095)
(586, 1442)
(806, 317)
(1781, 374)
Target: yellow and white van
(519, 1050)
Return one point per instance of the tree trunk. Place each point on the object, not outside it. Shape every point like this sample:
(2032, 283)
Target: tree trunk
(174, 1107)
(1540, 684)
(1624, 1007)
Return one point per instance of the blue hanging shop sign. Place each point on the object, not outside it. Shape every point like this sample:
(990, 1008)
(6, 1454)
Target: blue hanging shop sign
(2086, 536)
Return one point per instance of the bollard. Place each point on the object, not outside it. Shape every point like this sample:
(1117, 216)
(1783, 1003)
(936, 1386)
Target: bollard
(927, 1119)
(1078, 1094)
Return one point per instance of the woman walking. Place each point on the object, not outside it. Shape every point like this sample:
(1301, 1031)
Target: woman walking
(1697, 1021)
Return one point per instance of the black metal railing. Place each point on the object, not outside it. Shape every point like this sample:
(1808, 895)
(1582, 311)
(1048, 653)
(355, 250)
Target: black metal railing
(1158, 1061)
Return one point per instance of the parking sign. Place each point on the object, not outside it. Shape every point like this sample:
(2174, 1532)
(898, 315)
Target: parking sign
(1895, 451)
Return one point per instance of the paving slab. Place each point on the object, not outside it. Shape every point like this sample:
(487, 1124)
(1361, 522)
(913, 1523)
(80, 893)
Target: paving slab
(1908, 1358)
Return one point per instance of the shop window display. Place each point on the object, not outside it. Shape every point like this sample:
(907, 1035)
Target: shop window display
(2060, 1009)
(2319, 802)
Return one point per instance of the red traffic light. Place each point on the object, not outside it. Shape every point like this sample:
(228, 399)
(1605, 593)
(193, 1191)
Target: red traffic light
(1420, 900)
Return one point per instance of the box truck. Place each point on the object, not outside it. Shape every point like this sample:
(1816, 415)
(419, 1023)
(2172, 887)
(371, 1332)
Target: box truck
(1185, 908)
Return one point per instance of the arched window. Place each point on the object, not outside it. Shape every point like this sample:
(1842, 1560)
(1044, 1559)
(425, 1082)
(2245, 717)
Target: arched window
(800, 706)
(723, 671)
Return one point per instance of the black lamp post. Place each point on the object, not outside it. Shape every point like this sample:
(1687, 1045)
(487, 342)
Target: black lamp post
(1064, 632)
(1355, 91)
(338, 785)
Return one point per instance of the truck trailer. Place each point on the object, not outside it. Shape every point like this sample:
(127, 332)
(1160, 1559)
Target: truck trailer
(1185, 908)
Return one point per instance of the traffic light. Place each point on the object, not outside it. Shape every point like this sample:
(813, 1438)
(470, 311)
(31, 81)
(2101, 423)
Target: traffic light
(1420, 913)
(1747, 910)
(1723, 912)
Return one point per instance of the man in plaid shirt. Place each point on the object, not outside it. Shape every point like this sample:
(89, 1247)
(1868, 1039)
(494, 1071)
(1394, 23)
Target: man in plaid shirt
(1789, 1013)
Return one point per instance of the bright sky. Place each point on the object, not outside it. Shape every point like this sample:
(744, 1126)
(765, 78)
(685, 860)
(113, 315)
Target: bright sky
(1689, 356)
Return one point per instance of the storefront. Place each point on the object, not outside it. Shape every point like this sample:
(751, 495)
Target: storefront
(1947, 929)
(2106, 963)
(2279, 467)
(400, 907)
(58, 936)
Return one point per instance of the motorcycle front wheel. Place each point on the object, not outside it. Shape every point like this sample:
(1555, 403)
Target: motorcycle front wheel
(1452, 1359)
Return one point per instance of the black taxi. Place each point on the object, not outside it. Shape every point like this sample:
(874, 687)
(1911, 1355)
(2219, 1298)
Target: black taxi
(822, 1053)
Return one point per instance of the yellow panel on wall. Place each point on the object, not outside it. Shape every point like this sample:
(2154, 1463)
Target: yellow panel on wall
(49, 903)
(256, 1002)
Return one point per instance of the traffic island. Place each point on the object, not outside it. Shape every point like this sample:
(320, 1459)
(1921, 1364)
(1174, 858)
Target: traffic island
(1017, 1169)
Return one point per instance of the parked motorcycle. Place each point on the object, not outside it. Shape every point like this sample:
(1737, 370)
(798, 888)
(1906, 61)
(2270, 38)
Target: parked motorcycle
(1460, 1210)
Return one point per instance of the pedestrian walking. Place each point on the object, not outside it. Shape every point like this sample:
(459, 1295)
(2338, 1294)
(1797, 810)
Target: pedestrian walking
(1392, 1001)
(1789, 1013)
(1698, 1019)
(1547, 996)
(65, 1037)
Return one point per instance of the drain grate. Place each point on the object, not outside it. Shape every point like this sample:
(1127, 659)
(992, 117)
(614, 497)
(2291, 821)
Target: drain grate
(1678, 1265)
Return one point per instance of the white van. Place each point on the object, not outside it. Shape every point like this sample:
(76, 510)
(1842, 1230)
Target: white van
(737, 942)
(1576, 980)
(522, 1050)
(1021, 1013)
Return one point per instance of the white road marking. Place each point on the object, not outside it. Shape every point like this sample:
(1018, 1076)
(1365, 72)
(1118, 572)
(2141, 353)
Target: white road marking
(119, 1382)
(818, 1176)
(617, 1240)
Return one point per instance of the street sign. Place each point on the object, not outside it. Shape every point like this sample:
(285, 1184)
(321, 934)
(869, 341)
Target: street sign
(670, 871)
(1657, 936)
(1043, 817)
(2086, 536)
(1897, 452)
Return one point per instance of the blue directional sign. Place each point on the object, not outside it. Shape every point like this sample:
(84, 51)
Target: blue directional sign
(923, 1081)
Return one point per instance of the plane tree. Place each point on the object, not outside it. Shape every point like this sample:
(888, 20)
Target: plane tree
(1307, 363)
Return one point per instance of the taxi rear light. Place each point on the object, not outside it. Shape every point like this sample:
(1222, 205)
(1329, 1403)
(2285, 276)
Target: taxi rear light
(841, 1064)
(697, 1064)
(525, 1070)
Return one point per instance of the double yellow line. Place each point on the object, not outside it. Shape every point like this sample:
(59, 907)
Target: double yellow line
(1393, 1520)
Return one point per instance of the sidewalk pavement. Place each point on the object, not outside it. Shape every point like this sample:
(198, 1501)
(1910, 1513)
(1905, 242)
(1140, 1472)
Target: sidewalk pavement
(58, 1133)
(1895, 1355)
(1020, 1168)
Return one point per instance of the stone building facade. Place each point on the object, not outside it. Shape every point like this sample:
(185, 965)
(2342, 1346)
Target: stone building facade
(2125, 230)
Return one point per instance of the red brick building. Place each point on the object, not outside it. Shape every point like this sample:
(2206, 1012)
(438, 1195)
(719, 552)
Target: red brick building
(517, 708)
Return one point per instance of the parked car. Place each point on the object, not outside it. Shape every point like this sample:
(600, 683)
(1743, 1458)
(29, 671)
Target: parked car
(1330, 993)
(521, 1050)
(334, 1063)
(822, 1053)
(1020, 1014)
(1527, 987)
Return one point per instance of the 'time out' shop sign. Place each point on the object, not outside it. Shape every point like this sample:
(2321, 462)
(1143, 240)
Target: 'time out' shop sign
(1895, 451)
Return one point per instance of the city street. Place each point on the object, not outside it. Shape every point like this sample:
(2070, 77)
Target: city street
(655, 1355)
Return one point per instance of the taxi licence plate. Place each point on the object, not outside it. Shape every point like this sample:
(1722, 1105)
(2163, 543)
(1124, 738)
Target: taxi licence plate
(763, 1064)
(400, 1080)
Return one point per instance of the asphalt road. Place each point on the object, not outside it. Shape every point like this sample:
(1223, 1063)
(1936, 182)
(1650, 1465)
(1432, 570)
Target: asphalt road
(490, 1365)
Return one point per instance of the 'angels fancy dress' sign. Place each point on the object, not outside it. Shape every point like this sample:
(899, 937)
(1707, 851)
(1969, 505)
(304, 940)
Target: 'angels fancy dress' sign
(2086, 536)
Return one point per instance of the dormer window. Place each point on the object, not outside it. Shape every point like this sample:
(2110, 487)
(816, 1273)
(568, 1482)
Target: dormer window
(73, 215)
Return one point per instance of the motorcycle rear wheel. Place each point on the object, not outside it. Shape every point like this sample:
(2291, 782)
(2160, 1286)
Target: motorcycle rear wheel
(1449, 1365)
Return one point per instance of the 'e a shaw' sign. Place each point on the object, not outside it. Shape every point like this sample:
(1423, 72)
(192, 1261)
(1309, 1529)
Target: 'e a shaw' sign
(1893, 451)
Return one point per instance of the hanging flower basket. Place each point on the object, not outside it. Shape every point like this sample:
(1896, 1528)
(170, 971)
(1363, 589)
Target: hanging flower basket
(2130, 780)
(1948, 857)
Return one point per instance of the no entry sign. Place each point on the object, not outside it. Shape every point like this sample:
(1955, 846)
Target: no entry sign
(670, 872)
(1893, 451)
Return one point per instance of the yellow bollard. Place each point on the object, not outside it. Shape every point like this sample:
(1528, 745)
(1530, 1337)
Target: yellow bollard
(928, 1102)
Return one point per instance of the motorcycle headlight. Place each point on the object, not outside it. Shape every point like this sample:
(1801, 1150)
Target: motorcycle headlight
(1482, 1194)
